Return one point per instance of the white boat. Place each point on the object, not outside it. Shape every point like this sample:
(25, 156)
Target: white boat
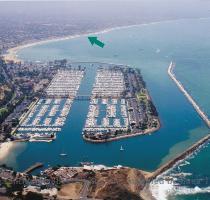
(63, 154)
(121, 148)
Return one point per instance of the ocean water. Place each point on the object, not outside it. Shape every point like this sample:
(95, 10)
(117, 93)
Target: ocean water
(150, 48)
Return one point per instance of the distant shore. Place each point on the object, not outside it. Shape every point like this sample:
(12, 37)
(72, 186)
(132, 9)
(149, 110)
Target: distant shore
(11, 53)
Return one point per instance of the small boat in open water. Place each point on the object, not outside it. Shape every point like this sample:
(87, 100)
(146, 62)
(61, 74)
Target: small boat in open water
(121, 148)
(63, 154)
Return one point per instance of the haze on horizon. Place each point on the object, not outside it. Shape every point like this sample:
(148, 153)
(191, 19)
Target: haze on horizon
(106, 10)
(23, 21)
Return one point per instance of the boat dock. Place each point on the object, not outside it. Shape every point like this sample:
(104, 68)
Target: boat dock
(48, 114)
(190, 99)
(33, 167)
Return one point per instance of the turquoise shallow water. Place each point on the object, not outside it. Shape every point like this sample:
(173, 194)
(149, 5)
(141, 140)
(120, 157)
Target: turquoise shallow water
(150, 48)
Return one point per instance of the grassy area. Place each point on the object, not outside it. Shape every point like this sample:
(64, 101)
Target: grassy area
(3, 111)
(141, 96)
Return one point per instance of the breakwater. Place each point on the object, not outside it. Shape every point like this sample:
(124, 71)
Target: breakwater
(180, 157)
(33, 167)
(190, 99)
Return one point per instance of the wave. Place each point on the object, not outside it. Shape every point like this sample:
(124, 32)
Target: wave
(165, 189)
(162, 189)
(166, 185)
(195, 190)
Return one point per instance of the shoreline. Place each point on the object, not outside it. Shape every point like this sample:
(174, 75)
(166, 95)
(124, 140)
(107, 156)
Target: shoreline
(11, 54)
(187, 95)
(5, 149)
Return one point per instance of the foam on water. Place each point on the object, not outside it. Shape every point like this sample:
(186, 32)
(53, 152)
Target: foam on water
(195, 190)
(167, 184)
(164, 189)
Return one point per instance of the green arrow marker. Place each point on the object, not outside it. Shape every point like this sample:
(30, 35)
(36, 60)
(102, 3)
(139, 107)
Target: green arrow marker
(94, 40)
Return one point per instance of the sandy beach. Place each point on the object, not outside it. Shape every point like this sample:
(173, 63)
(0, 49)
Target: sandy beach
(5, 149)
(11, 54)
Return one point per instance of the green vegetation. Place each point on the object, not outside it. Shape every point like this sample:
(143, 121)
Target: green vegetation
(3, 113)
(141, 96)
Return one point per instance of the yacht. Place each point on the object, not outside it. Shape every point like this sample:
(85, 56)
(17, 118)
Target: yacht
(63, 154)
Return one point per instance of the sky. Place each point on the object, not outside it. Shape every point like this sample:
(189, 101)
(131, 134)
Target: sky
(139, 9)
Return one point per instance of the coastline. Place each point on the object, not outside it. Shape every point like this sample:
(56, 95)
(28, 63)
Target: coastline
(11, 54)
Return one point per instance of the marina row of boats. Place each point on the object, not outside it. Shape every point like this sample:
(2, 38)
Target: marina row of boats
(109, 82)
(65, 83)
(49, 114)
(107, 109)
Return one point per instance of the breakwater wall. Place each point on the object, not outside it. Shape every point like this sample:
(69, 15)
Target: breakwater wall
(180, 157)
(190, 99)
(33, 167)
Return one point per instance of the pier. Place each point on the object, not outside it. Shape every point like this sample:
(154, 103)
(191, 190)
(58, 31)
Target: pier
(33, 167)
(190, 99)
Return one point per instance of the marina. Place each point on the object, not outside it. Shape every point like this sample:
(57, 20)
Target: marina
(65, 83)
(120, 106)
(47, 117)
(109, 83)
(106, 115)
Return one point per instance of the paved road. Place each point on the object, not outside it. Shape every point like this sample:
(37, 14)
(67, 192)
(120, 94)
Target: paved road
(85, 189)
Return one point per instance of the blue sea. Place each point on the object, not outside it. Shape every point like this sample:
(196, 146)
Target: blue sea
(151, 48)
